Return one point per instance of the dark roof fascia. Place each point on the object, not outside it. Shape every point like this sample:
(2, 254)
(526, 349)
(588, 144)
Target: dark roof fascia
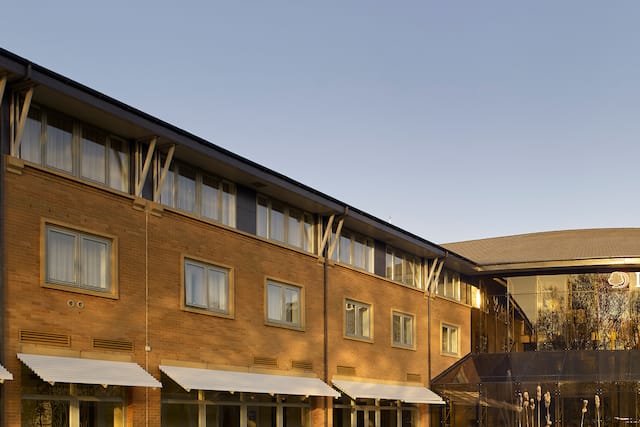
(41, 75)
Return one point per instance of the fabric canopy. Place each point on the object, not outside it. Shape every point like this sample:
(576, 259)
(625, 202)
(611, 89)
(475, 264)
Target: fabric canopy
(215, 380)
(55, 369)
(4, 374)
(404, 393)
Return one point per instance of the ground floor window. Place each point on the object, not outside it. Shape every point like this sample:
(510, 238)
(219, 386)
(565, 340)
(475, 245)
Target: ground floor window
(199, 408)
(64, 405)
(373, 413)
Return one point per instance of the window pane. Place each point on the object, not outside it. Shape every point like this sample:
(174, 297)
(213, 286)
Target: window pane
(295, 228)
(359, 254)
(217, 281)
(186, 189)
(101, 413)
(307, 243)
(292, 305)
(407, 330)
(179, 414)
(389, 266)
(93, 165)
(397, 329)
(210, 203)
(276, 223)
(94, 264)
(363, 321)
(35, 412)
(166, 194)
(228, 205)
(118, 164)
(398, 269)
(60, 256)
(350, 319)
(454, 340)
(30, 148)
(274, 302)
(345, 249)
(194, 284)
(59, 140)
(262, 218)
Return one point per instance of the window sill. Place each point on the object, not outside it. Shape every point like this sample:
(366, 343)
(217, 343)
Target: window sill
(78, 290)
(206, 312)
(284, 326)
(360, 339)
(403, 347)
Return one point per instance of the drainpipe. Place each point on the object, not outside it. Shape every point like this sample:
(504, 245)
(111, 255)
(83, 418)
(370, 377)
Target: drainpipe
(325, 268)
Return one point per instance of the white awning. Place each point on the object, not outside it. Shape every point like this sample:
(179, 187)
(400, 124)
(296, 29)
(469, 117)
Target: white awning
(4, 374)
(215, 380)
(404, 393)
(55, 369)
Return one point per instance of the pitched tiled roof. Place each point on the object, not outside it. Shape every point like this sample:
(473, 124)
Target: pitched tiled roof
(567, 245)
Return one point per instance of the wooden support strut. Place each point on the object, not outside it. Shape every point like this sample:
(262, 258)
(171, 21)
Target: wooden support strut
(163, 174)
(338, 231)
(433, 276)
(145, 168)
(19, 129)
(327, 233)
(3, 85)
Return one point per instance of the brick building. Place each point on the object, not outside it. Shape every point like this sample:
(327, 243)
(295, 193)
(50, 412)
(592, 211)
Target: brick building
(151, 278)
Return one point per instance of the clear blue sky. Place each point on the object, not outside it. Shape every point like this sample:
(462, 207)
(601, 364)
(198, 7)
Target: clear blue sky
(455, 120)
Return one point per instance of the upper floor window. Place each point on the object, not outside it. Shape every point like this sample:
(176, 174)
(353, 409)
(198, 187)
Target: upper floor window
(284, 304)
(449, 285)
(403, 268)
(402, 329)
(354, 250)
(53, 140)
(206, 286)
(277, 221)
(357, 319)
(449, 340)
(192, 190)
(78, 259)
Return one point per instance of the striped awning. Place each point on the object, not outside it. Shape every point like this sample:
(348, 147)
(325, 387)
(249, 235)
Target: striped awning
(403, 393)
(217, 380)
(55, 369)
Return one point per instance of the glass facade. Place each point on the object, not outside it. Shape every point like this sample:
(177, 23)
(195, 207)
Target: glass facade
(575, 358)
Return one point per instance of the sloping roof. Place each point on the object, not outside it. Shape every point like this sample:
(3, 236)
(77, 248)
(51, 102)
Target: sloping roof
(553, 246)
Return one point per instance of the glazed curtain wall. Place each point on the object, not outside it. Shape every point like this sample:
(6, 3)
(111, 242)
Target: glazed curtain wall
(594, 311)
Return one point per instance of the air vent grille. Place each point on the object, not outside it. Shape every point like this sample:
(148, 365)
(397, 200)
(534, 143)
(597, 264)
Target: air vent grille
(271, 362)
(38, 337)
(115, 345)
(302, 364)
(414, 378)
(346, 370)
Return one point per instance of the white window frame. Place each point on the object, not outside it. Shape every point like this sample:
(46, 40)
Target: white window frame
(404, 335)
(266, 205)
(207, 268)
(280, 319)
(169, 194)
(76, 150)
(449, 285)
(448, 341)
(76, 283)
(359, 328)
(353, 240)
(411, 274)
